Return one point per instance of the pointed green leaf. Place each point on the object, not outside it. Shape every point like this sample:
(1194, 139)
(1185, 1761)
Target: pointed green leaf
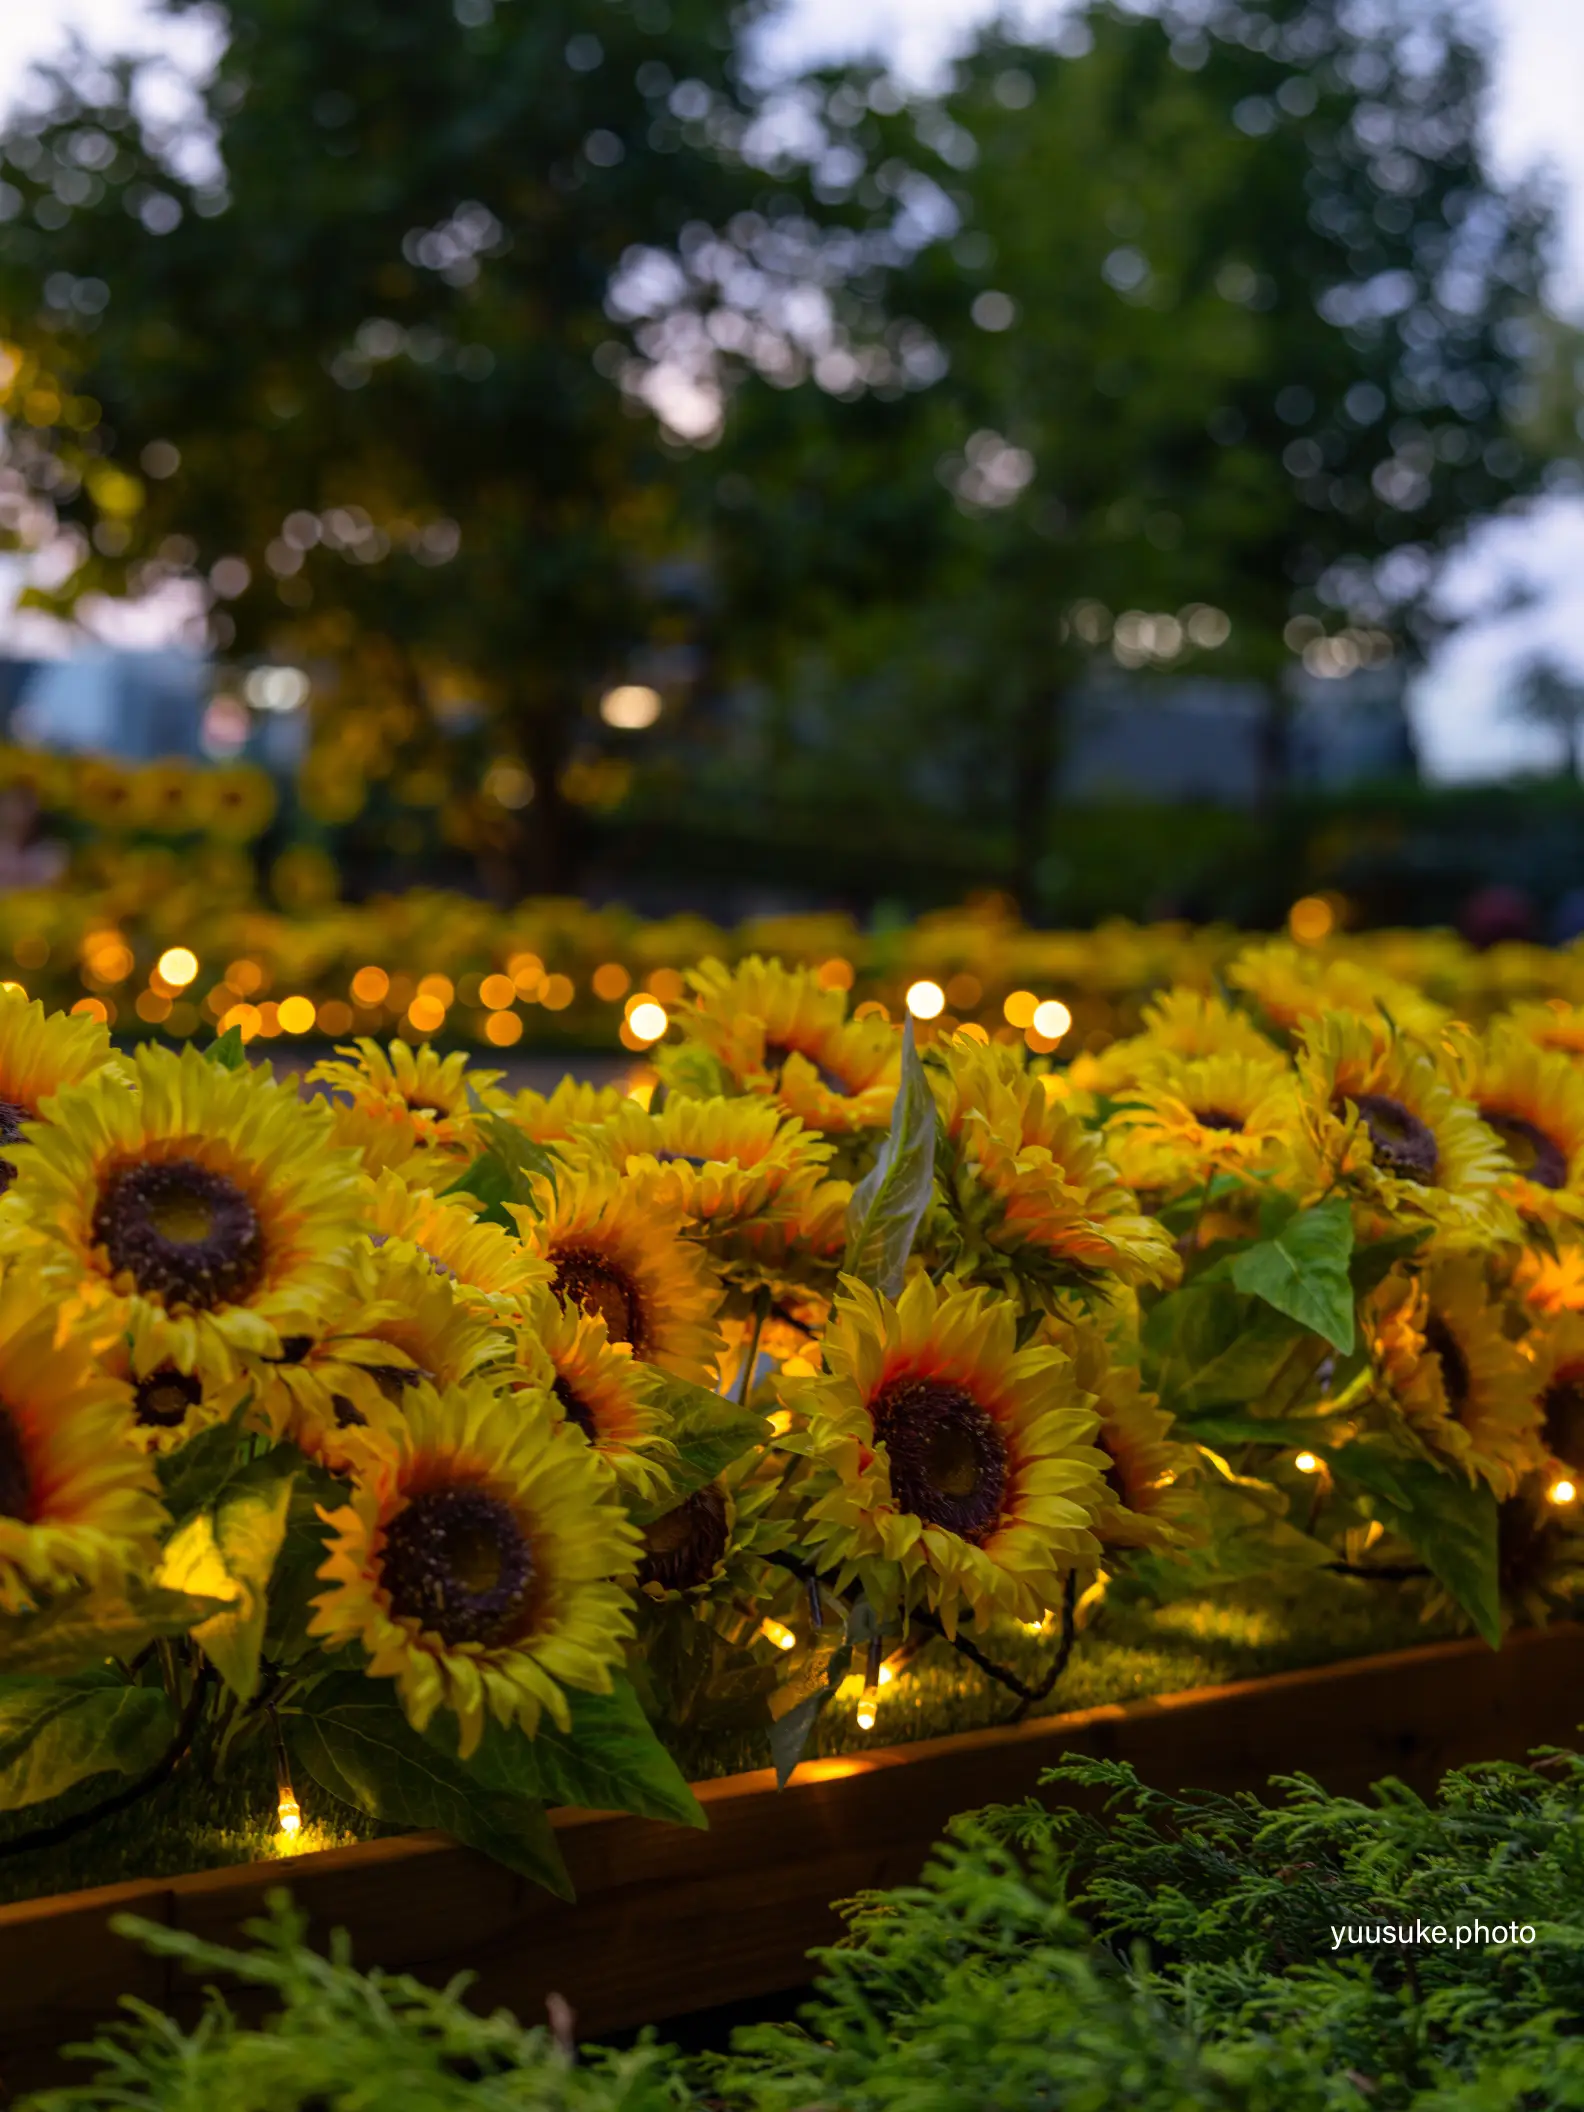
(354, 1741)
(54, 1733)
(790, 1734)
(228, 1050)
(192, 1477)
(83, 1628)
(707, 1432)
(232, 1549)
(889, 1203)
(1448, 1521)
(1303, 1271)
(505, 1171)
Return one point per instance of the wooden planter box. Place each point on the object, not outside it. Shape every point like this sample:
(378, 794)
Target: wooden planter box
(669, 1920)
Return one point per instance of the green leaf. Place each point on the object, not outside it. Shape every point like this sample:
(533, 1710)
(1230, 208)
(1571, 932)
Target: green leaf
(1209, 1347)
(790, 1734)
(1373, 1262)
(1303, 1271)
(228, 1050)
(707, 1432)
(609, 1760)
(505, 1171)
(1300, 1433)
(56, 1732)
(354, 1741)
(296, 1582)
(192, 1477)
(1449, 1522)
(889, 1203)
(231, 1550)
(83, 1628)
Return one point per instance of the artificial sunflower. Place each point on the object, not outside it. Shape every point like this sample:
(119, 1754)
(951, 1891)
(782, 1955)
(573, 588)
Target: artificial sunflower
(574, 1105)
(1533, 1098)
(1148, 1495)
(402, 1325)
(1031, 1197)
(169, 1406)
(946, 1465)
(493, 1272)
(1179, 1026)
(1558, 1352)
(602, 1388)
(1556, 1025)
(1448, 1363)
(1292, 985)
(1199, 1116)
(477, 1562)
(408, 1101)
(202, 1216)
(78, 1500)
(39, 1053)
(1379, 1115)
(777, 1032)
(617, 1252)
(723, 1162)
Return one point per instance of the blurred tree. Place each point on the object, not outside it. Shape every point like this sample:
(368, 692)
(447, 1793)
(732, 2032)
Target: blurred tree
(339, 353)
(1237, 325)
(1552, 696)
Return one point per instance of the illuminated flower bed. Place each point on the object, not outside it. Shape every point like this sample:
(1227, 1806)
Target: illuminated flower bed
(450, 1453)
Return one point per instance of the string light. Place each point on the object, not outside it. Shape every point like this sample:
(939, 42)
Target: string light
(777, 1632)
(926, 1000)
(1562, 1492)
(177, 965)
(289, 1811)
(869, 1699)
(1306, 1463)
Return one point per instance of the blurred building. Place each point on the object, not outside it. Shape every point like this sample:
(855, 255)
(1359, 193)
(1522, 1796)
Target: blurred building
(1224, 744)
(138, 705)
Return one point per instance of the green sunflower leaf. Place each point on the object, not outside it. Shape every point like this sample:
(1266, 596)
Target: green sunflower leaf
(609, 1760)
(83, 1628)
(1208, 1346)
(889, 1203)
(1449, 1522)
(359, 1747)
(505, 1171)
(192, 1477)
(228, 1050)
(54, 1733)
(707, 1431)
(231, 1550)
(1303, 1271)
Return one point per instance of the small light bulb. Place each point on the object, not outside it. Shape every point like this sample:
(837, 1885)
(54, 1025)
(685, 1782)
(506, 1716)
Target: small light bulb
(868, 1706)
(886, 1675)
(648, 1020)
(1052, 1019)
(290, 1812)
(926, 1000)
(177, 965)
(1562, 1492)
(1306, 1463)
(779, 1633)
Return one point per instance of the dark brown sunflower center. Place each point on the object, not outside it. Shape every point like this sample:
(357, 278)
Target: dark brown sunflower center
(682, 1548)
(577, 1409)
(775, 1060)
(420, 1106)
(600, 1287)
(163, 1399)
(1538, 1158)
(1402, 1144)
(1113, 1474)
(16, 1484)
(457, 1561)
(1218, 1118)
(1562, 1406)
(948, 1459)
(182, 1232)
(347, 1415)
(1456, 1380)
(12, 1118)
(395, 1380)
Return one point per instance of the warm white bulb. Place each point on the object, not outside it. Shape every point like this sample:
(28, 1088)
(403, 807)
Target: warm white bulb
(648, 1020)
(926, 1000)
(1562, 1492)
(631, 707)
(1051, 1019)
(1306, 1463)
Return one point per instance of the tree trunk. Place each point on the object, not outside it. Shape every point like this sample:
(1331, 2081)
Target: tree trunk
(549, 860)
(1034, 746)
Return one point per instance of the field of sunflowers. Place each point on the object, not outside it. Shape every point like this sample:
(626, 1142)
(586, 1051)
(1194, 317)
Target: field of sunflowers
(458, 1449)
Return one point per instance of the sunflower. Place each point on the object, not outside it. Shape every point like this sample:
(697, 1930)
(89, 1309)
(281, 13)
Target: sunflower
(722, 1162)
(493, 1272)
(402, 1325)
(1380, 1115)
(573, 1106)
(1533, 1098)
(39, 1053)
(201, 1217)
(1293, 985)
(617, 1253)
(1464, 1386)
(946, 1465)
(602, 1388)
(78, 1499)
(775, 1031)
(1179, 1025)
(1199, 1116)
(1558, 1352)
(1149, 1474)
(401, 1094)
(169, 1406)
(1539, 1554)
(1033, 1199)
(1555, 1025)
(476, 1562)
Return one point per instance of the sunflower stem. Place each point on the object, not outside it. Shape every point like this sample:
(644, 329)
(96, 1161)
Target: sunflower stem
(762, 1299)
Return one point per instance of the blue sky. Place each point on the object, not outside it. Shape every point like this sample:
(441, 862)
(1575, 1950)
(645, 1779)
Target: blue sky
(1535, 120)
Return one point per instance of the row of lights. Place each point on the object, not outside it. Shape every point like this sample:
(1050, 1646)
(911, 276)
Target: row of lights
(1561, 1490)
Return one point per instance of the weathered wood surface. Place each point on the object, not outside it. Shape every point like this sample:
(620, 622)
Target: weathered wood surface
(669, 1920)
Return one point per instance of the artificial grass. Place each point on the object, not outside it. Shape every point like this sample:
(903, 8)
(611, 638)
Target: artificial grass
(1131, 1649)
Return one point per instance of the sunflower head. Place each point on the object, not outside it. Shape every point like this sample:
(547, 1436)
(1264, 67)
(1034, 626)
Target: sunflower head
(492, 1273)
(1033, 1201)
(601, 1388)
(1202, 1115)
(1180, 1026)
(945, 1464)
(1533, 1098)
(478, 1560)
(39, 1053)
(1150, 1476)
(78, 1499)
(722, 1162)
(619, 1253)
(1293, 985)
(1381, 1115)
(777, 1032)
(202, 1215)
(575, 1105)
(408, 1108)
